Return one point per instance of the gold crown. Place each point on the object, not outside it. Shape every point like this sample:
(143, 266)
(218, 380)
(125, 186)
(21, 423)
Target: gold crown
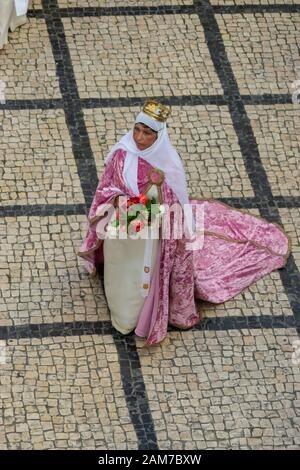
(156, 110)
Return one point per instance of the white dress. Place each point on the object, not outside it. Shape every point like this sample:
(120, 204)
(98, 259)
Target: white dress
(12, 15)
(123, 268)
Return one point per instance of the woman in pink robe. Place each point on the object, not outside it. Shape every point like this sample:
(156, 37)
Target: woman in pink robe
(237, 249)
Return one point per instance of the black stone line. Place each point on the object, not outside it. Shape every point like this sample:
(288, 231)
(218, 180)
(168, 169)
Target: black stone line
(135, 391)
(42, 210)
(79, 328)
(82, 151)
(118, 11)
(240, 120)
(184, 100)
(290, 275)
(287, 201)
(165, 10)
(241, 9)
(247, 322)
(187, 100)
(290, 281)
(133, 384)
(54, 103)
(46, 210)
(88, 178)
(46, 330)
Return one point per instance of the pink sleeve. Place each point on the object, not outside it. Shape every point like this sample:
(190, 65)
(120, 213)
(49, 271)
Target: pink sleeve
(107, 188)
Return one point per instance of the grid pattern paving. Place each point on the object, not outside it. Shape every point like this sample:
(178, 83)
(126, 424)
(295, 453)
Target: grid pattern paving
(76, 73)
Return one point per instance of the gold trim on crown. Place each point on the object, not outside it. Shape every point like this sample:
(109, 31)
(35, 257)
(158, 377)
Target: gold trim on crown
(156, 110)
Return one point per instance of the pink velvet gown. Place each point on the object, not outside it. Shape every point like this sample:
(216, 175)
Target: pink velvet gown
(238, 249)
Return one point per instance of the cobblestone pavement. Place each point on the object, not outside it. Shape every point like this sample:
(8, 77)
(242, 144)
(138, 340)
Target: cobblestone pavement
(75, 75)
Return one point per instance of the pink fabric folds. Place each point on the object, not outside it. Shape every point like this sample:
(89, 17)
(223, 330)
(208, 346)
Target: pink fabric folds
(239, 248)
(148, 313)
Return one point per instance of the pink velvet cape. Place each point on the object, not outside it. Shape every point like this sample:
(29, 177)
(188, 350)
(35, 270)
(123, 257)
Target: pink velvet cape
(238, 249)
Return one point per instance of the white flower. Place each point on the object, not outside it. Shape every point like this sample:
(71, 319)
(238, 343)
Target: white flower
(111, 231)
(162, 209)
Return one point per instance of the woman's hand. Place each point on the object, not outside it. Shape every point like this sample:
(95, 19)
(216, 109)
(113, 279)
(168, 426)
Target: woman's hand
(116, 201)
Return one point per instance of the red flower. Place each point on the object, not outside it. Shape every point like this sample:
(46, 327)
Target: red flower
(132, 200)
(137, 225)
(143, 199)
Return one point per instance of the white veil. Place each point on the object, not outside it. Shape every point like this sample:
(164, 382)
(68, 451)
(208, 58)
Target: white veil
(161, 155)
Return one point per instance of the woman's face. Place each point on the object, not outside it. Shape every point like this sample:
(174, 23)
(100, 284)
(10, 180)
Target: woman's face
(143, 136)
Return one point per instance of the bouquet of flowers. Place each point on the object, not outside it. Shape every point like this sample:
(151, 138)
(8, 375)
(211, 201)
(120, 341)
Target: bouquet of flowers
(138, 213)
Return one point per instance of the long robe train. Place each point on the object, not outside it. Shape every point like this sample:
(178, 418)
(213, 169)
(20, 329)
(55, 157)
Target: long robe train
(239, 248)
